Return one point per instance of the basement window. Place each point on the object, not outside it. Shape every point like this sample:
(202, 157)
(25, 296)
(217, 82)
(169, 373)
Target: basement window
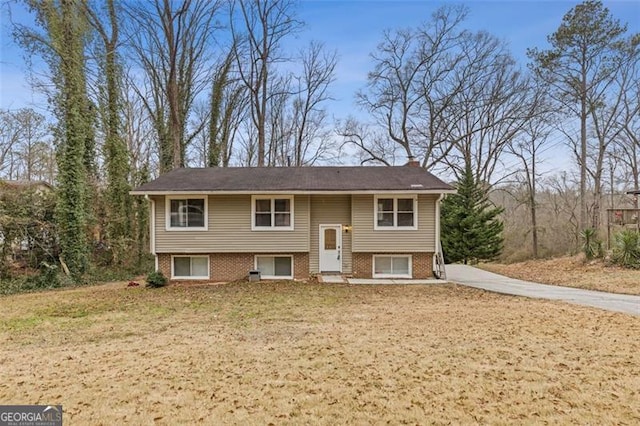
(190, 267)
(275, 267)
(395, 266)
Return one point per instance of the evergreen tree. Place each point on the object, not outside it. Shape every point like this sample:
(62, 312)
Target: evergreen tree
(579, 67)
(471, 229)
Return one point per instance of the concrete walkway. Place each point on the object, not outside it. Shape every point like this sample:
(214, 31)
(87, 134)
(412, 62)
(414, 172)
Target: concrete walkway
(339, 279)
(474, 277)
(386, 281)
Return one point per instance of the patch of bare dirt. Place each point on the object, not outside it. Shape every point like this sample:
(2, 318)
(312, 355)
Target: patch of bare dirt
(572, 271)
(295, 353)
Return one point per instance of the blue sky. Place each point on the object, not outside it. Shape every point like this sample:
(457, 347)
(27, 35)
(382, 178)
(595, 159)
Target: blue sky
(353, 29)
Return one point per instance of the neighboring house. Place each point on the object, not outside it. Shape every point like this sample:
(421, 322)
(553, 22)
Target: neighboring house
(292, 222)
(39, 186)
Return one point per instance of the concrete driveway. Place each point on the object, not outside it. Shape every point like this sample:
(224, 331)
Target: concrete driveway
(474, 277)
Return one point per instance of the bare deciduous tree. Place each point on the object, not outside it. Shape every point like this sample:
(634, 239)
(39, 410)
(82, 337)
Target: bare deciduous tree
(491, 110)
(171, 42)
(527, 148)
(445, 95)
(10, 134)
(258, 35)
(227, 110)
(32, 145)
(310, 136)
(409, 90)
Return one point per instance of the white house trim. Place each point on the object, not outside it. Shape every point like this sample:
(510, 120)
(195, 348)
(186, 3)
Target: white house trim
(295, 192)
(395, 227)
(373, 266)
(167, 207)
(191, 277)
(275, 277)
(152, 227)
(272, 199)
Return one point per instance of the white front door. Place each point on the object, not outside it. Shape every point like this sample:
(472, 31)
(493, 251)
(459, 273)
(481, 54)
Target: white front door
(330, 248)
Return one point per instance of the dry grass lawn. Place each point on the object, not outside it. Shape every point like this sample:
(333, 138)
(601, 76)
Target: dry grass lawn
(296, 353)
(572, 272)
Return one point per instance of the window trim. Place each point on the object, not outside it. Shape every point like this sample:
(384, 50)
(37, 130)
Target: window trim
(181, 277)
(272, 199)
(373, 266)
(274, 277)
(167, 213)
(395, 226)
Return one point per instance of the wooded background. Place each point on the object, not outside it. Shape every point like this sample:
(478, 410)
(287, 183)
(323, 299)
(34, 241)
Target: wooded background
(136, 89)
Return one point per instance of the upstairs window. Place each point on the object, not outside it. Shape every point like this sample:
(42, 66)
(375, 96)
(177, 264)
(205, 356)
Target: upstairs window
(187, 213)
(395, 212)
(272, 213)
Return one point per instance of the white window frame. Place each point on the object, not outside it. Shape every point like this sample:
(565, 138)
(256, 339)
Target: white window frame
(272, 199)
(167, 209)
(373, 266)
(173, 275)
(274, 277)
(395, 226)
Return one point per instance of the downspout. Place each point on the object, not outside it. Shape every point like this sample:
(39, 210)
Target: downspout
(152, 229)
(438, 241)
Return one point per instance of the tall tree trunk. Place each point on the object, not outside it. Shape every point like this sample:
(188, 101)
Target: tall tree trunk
(116, 153)
(71, 208)
(583, 150)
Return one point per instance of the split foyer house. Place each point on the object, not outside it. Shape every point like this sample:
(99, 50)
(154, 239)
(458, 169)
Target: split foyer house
(292, 222)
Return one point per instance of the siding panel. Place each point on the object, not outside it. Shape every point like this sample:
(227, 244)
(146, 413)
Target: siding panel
(330, 209)
(366, 239)
(230, 229)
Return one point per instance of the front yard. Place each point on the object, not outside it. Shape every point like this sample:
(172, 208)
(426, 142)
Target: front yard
(295, 353)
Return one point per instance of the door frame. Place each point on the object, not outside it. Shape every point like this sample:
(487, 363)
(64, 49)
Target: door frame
(321, 227)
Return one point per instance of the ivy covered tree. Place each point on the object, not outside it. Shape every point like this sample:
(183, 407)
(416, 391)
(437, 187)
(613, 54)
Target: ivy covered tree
(105, 22)
(61, 41)
(471, 229)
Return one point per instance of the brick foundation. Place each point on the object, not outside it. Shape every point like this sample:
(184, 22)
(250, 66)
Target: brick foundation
(421, 264)
(236, 266)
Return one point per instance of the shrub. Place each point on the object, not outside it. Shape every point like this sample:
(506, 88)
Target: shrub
(626, 249)
(156, 279)
(591, 245)
(47, 277)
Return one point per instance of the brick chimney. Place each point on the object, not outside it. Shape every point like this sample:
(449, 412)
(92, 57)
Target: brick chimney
(412, 162)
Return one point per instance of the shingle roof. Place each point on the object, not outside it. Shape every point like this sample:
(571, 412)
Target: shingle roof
(298, 179)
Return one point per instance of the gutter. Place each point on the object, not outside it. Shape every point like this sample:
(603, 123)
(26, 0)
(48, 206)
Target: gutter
(438, 254)
(295, 192)
(438, 244)
(152, 228)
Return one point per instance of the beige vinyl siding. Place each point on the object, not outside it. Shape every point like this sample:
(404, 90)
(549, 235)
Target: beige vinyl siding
(330, 210)
(367, 239)
(230, 229)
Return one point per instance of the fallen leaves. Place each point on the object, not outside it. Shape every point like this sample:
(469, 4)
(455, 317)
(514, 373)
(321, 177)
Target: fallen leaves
(285, 352)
